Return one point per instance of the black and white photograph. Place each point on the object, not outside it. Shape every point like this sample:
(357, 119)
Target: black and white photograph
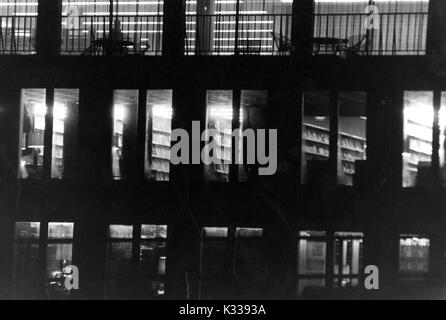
(222, 154)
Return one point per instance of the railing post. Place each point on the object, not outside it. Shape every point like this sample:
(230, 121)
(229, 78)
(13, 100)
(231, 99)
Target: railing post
(237, 21)
(302, 26)
(174, 28)
(49, 28)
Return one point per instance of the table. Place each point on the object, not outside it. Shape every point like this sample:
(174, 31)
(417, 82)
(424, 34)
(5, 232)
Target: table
(335, 43)
(108, 47)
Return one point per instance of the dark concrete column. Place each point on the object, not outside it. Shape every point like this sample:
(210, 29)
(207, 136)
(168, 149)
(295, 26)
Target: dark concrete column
(285, 107)
(189, 104)
(90, 250)
(174, 28)
(385, 138)
(9, 163)
(49, 26)
(95, 133)
(302, 26)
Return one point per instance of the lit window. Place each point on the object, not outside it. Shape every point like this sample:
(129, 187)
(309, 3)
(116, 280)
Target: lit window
(220, 259)
(219, 119)
(32, 136)
(140, 276)
(249, 262)
(414, 254)
(418, 122)
(125, 117)
(263, 27)
(442, 149)
(25, 270)
(152, 266)
(59, 257)
(215, 278)
(119, 261)
(399, 28)
(252, 116)
(312, 253)
(137, 27)
(65, 114)
(352, 134)
(315, 136)
(348, 258)
(158, 134)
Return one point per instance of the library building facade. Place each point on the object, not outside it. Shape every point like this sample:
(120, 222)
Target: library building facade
(92, 91)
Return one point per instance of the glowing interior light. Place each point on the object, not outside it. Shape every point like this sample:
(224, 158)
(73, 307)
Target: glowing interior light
(162, 111)
(40, 109)
(221, 112)
(60, 111)
(119, 112)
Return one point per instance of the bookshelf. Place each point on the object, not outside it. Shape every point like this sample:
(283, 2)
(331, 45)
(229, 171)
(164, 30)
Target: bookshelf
(58, 145)
(418, 148)
(223, 139)
(316, 147)
(161, 143)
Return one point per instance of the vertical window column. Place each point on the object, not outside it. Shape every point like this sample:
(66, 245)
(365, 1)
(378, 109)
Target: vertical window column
(158, 135)
(315, 137)
(44, 145)
(352, 140)
(418, 133)
(125, 121)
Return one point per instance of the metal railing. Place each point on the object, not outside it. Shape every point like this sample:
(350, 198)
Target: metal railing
(251, 34)
(398, 34)
(18, 35)
(90, 35)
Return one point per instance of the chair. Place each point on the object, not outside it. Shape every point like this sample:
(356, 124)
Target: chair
(361, 44)
(283, 44)
(250, 47)
(329, 45)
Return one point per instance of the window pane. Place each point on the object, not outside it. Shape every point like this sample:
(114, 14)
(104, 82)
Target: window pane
(25, 271)
(264, 27)
(32, 133)
(348, 254)
(418, 121)
(158, 134)
(442, 150)
(352, 134)
(59, 257)
(120, 232)
(19, 21)
(249, 232)
(219, 119)
(414, 254)
(137, 27)
(253, 115)
(250, 263)
(65, 114)
(401, 27)
(57, 230)
(119, 270)
(152, 269)
(211, 232)
(27, 230)
(315, 136)
(125, 118)
(153, 231)
(312, 252)
(216, 277)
